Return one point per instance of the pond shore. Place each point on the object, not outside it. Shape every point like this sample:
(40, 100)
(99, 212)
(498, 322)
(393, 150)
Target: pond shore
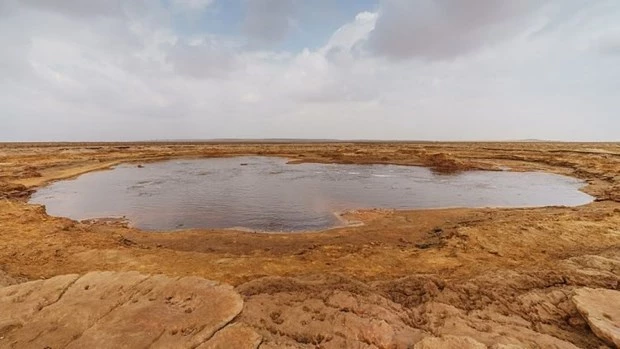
(497, 276)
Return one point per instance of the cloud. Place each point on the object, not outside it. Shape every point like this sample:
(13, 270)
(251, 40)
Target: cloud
(90, 8)
(440, 29)
(350, 35)
(268, 21)
(192, 5)
(125, 70)
(201, 59)
(609, 43)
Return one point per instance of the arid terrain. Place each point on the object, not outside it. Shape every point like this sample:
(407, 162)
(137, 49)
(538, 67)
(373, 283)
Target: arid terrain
(445, 278)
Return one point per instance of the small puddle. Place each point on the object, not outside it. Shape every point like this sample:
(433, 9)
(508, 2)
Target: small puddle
(266, 194)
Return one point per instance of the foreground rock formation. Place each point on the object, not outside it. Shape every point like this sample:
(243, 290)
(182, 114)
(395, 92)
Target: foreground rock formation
(121, 310)
(601, 308)
(132, 310)
(506, 309)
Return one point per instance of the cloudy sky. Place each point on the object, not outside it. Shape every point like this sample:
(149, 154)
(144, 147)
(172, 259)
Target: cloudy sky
(370, 69)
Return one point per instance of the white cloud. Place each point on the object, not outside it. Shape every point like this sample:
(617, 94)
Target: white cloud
(192, 5)
(90, 8)
(434, 29)
(350, 34)
(204, 58)
(535, 72)
(268, 21)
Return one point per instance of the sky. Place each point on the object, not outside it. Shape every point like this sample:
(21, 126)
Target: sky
(123, 70)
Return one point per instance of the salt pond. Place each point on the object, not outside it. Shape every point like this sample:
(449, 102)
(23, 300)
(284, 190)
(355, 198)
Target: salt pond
(266, 194)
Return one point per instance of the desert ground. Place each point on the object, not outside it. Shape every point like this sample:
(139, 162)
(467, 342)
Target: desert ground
(444, 278)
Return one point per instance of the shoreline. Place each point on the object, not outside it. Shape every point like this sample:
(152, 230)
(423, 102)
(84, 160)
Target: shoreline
(343, 222)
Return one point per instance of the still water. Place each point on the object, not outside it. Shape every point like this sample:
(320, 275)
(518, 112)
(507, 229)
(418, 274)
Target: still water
(266, 194)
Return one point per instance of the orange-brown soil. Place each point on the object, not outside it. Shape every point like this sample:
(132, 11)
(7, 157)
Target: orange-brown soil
(494, 276)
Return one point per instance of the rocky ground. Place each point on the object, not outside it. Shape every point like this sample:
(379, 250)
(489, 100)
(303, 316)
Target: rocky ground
(455, 278)
(122, 310)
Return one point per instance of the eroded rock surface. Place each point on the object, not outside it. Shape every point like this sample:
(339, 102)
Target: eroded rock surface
(498, 310)
(7, 280)
(601, 309)
(121, 310)
(14, 191)
(306, 314)
(449, 342)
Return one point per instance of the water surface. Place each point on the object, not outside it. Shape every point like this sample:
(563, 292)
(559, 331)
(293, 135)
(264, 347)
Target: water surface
(266, 194)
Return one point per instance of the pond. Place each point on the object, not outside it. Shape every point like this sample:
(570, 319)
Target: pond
(267, 194)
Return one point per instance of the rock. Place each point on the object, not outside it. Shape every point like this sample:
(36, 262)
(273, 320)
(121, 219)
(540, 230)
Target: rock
(598, 263)
(507, 346)
(14, 191)
(601, 309)
(234, 336)
(449, 342)
(445, 163)
(336, 311)
(295, 313)
(7, 280)
(121, 310)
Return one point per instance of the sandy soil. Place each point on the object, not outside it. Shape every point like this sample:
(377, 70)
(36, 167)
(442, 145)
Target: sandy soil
(495, 276)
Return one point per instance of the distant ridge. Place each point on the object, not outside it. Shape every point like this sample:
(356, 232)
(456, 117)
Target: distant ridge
(533, 140)
(293, 140)
(336, 140)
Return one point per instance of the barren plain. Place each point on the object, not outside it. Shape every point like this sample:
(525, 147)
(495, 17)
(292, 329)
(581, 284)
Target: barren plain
(444, 278)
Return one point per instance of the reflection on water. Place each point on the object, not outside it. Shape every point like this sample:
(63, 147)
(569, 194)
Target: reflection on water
(267, 194)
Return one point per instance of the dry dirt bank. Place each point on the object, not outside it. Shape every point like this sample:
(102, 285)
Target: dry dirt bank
(494, 277)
